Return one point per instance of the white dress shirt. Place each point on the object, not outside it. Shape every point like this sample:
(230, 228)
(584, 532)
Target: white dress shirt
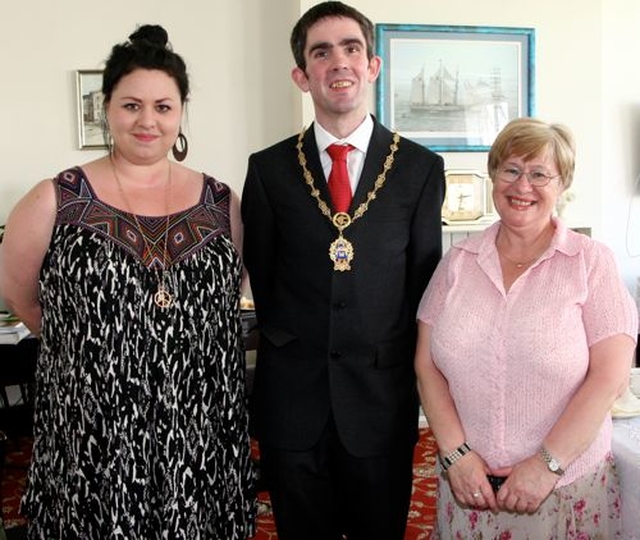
(359, 139)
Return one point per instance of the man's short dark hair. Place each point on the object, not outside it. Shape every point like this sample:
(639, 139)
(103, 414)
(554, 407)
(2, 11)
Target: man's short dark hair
(322, 11)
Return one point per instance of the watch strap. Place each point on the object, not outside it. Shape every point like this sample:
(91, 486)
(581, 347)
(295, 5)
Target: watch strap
(552, 463)
(454, 456)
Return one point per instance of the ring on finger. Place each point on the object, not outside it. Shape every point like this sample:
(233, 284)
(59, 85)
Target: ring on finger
(476, 494)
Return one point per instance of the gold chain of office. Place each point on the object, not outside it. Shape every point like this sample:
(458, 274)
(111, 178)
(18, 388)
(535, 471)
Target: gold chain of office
(341, 251)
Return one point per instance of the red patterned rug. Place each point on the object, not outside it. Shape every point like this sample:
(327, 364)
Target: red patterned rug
(14, 479)
(423, 497)
(421, 511)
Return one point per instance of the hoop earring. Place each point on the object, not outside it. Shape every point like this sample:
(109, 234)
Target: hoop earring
(180, 147)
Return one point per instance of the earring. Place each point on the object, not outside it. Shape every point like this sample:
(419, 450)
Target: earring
(106, 136)
(180, 147)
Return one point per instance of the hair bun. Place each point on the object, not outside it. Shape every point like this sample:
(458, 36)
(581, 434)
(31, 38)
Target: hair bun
(152, 33)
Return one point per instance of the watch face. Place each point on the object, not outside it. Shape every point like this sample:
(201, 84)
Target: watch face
(552, 463)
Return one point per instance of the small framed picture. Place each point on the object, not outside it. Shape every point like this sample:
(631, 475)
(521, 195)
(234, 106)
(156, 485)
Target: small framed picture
(90, 109)
(453, 88)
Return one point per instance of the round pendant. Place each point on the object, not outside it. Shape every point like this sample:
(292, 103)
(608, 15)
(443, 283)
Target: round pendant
(341, 253)
(163, 298)
(341, 220)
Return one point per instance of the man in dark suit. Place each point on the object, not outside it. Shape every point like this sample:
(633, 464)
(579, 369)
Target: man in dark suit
(334, 400)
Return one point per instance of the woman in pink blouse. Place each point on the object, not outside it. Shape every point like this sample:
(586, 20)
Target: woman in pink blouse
(526, 337)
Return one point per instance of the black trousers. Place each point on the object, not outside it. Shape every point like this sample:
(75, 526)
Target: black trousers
(325, 493)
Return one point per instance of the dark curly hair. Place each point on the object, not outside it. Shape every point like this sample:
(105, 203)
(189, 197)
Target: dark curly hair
(147, 48)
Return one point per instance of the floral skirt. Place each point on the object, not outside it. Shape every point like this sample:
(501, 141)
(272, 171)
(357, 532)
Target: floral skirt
(587, 508)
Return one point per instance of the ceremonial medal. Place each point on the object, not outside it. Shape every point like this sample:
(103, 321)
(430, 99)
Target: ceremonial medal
(341, 253)
(340, 250)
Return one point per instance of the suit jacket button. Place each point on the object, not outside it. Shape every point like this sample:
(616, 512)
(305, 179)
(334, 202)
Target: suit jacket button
(334, 355)
(339, 305)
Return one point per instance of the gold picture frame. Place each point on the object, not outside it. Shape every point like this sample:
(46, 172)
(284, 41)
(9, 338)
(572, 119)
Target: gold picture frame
(90, 109)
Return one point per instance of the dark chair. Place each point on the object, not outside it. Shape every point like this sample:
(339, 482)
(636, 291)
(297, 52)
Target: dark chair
(251, 337)
(3, 453)
(17, 370)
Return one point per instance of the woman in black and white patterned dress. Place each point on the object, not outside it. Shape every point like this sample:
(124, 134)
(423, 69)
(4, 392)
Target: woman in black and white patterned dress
(128, 268)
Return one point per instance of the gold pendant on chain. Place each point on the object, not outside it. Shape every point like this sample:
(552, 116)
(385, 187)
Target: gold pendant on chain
(163, 298)
(341, 250)
(341, 253)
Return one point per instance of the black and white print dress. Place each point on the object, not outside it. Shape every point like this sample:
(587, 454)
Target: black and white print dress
(141, 429)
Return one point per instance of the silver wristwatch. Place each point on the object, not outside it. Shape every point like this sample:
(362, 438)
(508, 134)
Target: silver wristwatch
(552, 463)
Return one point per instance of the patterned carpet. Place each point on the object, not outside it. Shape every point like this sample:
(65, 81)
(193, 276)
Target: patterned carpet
(421, 512)
(14, 479)
(423, 498)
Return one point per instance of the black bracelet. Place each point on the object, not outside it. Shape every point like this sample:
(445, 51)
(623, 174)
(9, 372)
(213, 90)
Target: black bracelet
(454, 456)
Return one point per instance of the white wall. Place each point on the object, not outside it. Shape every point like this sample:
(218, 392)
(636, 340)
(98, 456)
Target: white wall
(237, 53)
(619, 192)
(242, 99)
(565, 82)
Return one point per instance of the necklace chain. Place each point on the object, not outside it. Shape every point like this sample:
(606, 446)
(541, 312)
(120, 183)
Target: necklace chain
(341, 251)
(362, 209)
(520, 264)
(162, 297)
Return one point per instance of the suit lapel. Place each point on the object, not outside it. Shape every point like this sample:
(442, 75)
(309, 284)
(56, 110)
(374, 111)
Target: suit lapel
(373, 162)
(377, 153)
(310, 149)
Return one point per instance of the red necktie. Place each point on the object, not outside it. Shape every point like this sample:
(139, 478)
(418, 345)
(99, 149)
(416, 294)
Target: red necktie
(339, 185)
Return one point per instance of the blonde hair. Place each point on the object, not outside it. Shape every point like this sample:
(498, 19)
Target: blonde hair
(528, 138)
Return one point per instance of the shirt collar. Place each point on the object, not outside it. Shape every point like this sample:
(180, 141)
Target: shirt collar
(359, 138)
(562, 241)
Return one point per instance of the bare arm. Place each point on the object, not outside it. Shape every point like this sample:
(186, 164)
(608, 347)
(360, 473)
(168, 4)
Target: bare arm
(25, 244)
(609, 364)
(435, 398)
(531, 481)
(468, 474)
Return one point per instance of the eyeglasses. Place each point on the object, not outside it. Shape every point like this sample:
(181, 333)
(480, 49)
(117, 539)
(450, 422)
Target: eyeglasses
(535, 178)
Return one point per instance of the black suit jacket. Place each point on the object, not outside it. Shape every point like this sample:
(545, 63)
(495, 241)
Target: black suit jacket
(339, 342)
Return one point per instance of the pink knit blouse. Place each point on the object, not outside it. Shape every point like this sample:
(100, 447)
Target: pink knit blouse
(514, 359)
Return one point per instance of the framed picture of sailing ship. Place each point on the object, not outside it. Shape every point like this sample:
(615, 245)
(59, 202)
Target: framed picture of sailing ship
(453, 88)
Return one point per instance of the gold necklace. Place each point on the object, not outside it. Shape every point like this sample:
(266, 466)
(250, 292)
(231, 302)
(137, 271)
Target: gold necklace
(162, 297)
(341, 251)
(520, 264)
